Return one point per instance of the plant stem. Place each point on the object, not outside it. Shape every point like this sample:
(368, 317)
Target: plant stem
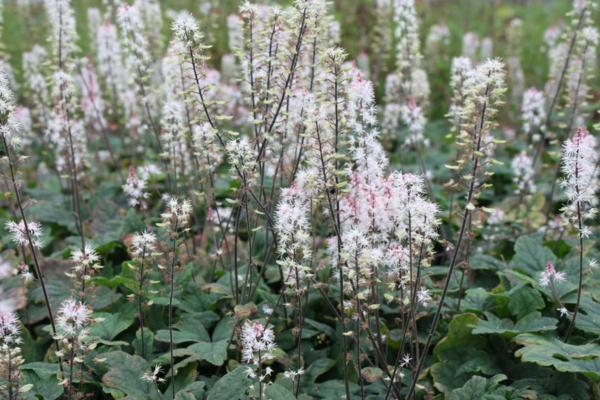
(36, 263)
(171, 294)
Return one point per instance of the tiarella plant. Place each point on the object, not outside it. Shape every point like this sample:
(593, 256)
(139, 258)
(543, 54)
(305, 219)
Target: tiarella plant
(298, 200)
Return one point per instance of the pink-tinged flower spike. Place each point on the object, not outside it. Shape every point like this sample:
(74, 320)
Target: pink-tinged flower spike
(257, 343)
(10, 355)
(550, 276)
(135, 189)
(470, 46)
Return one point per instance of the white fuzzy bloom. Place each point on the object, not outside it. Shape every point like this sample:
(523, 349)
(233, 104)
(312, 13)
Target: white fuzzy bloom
(551, 276)
(10, 330)
(523, 173)
(72, 318)
(177, 214)
(533, 110)
(185, 27)
(135, 189)
(86, 260)
(10, 128)
(257, 340)
(135, 43)
(293, 231)
(241, 156)
(63, 33)
(580, 168)
(412, 116)
(143, 243)
(19, 233)
(423, 296)
(153, 376)
(459, 70)
(407, 34)
(470, 45)
(496, 217)
(437, 40)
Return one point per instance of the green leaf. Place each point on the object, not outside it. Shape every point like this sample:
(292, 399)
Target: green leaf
(588, 319)
(212, 352)
(232, 386)
(125, 375)
(42, 369)
(148, 342)
(45, 387)
(478, 388)
(525, 300)
(533, 322)
(111, 326)
(460, 355)
(551, 352)
(276, 391)
(316, 369)
(187, 330)
(531, 256)
(193, 391)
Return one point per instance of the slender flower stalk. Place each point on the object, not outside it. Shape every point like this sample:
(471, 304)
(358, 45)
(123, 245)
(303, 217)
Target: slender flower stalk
(143, 245)
(72, 321)
(10, 355)
(485, 87)
(26, 232)
(257, 342)
(174, 220)
(580, 167)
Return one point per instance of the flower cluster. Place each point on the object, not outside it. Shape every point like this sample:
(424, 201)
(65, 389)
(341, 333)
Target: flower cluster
(257, 341)
(73, 319)
(10, 354)
(580, 167)
(143, 243)
(550, 276)
(24, 231)
(523, 172)
(533, 112)
(85, 262)
(177, 214)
